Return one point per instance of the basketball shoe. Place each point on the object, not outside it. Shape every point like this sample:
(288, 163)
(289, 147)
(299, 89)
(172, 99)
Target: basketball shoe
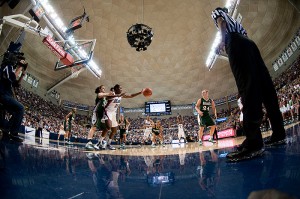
(98, 146)
(110, 147)
(200, 142)
(211, 140)
(89, 146)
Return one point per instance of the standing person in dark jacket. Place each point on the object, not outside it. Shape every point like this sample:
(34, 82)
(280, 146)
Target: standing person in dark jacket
(12, 71)
(254, 85)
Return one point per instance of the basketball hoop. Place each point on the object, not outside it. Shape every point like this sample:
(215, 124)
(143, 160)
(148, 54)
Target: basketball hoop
(81, 52)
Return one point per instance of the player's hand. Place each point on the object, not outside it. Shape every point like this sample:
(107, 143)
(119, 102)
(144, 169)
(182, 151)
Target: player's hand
(201, 113)
(222, 46)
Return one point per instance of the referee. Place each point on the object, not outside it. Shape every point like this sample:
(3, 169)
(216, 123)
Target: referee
(254, 84)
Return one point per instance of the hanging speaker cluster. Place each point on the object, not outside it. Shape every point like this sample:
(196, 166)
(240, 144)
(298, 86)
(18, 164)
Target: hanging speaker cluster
(139, 36)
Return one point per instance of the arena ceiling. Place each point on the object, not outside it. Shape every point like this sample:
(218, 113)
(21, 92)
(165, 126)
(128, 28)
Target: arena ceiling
(174, 64)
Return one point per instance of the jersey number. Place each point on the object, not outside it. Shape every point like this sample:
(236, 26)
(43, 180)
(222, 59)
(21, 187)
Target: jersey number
(206, 108)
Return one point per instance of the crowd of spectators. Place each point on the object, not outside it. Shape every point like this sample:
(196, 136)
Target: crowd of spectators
(40, 113)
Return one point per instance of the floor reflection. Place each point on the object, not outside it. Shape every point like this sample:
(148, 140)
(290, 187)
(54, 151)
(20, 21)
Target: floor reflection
(53, 170)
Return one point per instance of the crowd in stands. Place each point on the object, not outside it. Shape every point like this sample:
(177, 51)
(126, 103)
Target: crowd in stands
(40, 113)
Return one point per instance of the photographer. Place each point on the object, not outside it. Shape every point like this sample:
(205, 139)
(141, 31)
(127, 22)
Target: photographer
(12, 66)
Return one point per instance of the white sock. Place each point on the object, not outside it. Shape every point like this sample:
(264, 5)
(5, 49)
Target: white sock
(101, 139)
(109, 141)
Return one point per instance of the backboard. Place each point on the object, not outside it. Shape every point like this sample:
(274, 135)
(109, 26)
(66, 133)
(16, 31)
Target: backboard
(81, 52)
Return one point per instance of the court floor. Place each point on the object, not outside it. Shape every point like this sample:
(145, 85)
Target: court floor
(41, 168)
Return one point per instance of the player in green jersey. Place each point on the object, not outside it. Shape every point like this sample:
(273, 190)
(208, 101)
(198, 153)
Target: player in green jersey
(203, 106)
(123, 127)
(98, 114)
(68, 125)
(157, 132)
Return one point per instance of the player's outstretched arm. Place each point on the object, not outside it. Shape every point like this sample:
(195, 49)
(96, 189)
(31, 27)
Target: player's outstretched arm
(133, 95)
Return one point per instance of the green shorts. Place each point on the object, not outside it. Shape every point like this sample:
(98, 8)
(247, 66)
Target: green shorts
(122, 132)
(67, 126)
(100, 126)
(206, 120)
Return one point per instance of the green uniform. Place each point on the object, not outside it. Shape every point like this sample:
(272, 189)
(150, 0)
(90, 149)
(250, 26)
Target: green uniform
(122, 127)
(205, 119)
(68, 124)
(156, 130)
(98, 113)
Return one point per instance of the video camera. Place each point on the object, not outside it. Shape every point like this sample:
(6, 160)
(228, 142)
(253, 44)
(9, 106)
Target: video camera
(13, 57)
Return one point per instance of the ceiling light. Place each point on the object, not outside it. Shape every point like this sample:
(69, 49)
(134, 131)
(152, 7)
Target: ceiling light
(214, 52)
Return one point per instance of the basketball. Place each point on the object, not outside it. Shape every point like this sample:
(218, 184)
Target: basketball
(147, 92)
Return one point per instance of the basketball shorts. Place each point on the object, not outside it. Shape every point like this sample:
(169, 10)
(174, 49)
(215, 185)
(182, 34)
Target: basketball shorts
(205, 120)
(147, 132)
(67, 126)
(61, 132)
(96, 122)
(123, 132)
(156, 133)
(112, 116)
(180, 131)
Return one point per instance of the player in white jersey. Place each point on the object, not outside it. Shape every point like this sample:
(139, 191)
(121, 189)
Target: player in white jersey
(110, 114)
(181, 133)
(147, 128)
(61, 131)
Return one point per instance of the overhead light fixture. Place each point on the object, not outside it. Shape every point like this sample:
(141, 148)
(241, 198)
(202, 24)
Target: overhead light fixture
(214, 52)
(55, 18)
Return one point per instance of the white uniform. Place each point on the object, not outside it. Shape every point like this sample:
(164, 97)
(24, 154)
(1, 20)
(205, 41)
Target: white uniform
(180, 131)
(283, 109)
(148, 128)
(61, 131)
(110, 111)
